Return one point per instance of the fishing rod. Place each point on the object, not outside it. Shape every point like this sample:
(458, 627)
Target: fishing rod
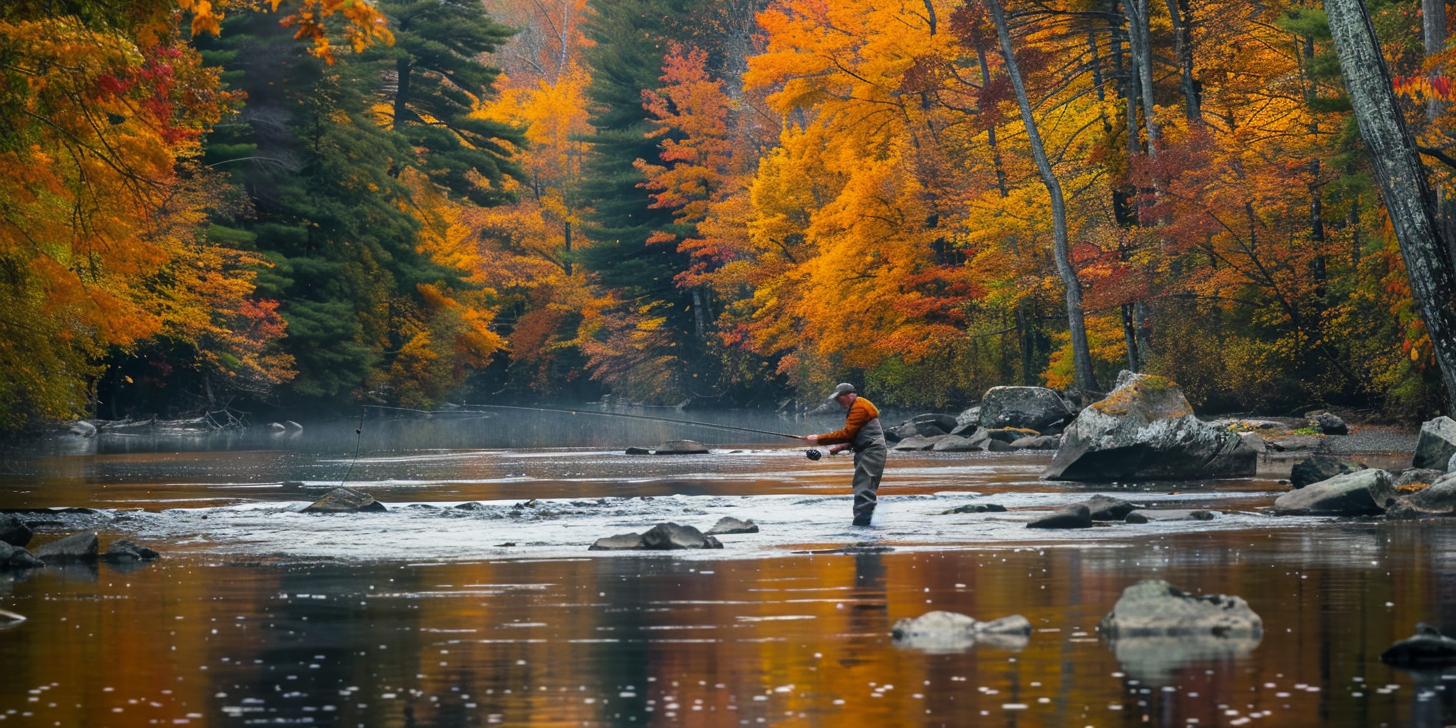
(812, 454)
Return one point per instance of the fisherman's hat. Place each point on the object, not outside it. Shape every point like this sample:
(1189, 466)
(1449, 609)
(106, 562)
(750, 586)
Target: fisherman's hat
(842, 388)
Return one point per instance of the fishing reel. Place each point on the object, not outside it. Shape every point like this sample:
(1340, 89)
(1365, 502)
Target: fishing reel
(813, 454)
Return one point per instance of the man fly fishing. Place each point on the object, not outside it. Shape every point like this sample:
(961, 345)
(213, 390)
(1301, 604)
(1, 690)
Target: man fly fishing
(863, 434)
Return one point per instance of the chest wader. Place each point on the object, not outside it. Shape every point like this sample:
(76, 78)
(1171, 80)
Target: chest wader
(869, 465)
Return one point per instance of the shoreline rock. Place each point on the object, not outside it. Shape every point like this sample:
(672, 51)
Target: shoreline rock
(1361, 493)
(77, 548)
(1436, 445)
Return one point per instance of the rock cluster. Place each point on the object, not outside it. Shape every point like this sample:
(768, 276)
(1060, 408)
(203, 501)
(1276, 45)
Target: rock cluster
(662, 537)
(1008, 418)
(77, 548)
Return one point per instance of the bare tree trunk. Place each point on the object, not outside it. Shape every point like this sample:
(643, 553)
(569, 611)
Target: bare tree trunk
(1402, 179)
(1142, 59)
(1085, 379)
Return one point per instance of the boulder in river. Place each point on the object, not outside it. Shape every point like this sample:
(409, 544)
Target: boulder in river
(956, 443)
(1170, 514)
(1315, 468)
(13, 530)
(1155, 608)
(1437, 499)
(681, 447)
(1145, 430)
(918, 443)
(1412, 478)
(1155, 629)
(1107, 508)
(1077, 515)
(14, 558)
(1037, 442)
(638, 451)
(731, 525)
(1436, 445)
(346, 500)
(969, 416)
(1427, 648)
(77, 548)
(1032, 408)
(1362, 493)
(948, 632)
(124, 551)
(976, 508)
(668, 536)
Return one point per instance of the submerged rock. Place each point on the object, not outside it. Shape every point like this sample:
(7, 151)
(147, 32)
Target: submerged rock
(948, 632)
(731, 525)
(1076, 515)
(975, 508)
(14, 558)
(1362, 493)
(77, 548)
(1107, 508)
(346, 500)
(14, 531)
(1436, 445)
(1032, 408)
(638, 451)
(1145, 430)
(1425, 649)
(124, 551)
(1149, 516)
(681, 447)
(1155, 608)
(1315, 468)
(620, 542)
(667, 536)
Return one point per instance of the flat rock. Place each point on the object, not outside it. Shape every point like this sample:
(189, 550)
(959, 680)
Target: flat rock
(1145, 430)
(1362, 493)
(671, 536)
(77, 548)
(638, 451)
(1436, 444)
(1076, 515)
(1032, 408)
(955, 443)
(620, 542)
(731, 525)
(14, 558)
(346, 500)
(471, 506)
(1254, 442)
(1427, 648)
(14, 531)
(681, 447)
(1107, 508)
(1294, 443)
(1315, 468)
(1037, 442)
(976, 508)
(1155, 608)
(1151, 515)
(949, 632)
(124, 551)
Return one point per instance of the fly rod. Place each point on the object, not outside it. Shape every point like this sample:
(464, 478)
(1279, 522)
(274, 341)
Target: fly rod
(648, 418)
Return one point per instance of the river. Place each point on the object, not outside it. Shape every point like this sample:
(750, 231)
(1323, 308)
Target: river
(432, 615)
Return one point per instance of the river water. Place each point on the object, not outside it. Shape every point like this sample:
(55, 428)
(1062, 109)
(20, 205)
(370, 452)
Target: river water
(431, 615)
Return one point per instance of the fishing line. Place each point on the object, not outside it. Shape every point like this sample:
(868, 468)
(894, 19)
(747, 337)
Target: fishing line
(358, 444)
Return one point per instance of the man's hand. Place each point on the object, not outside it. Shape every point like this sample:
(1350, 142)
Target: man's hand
(812, 438)
(836, 449)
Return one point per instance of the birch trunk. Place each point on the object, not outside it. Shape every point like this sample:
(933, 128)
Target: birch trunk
(1085, 380)
(1403, 185)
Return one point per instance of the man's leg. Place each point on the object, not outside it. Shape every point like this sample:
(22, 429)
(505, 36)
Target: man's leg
(868, 467)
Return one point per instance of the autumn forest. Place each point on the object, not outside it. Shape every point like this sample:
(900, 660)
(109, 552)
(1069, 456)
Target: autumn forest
(300, 206)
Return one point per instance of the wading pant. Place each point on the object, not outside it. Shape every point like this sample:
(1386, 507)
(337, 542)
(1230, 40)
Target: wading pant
(869, 465)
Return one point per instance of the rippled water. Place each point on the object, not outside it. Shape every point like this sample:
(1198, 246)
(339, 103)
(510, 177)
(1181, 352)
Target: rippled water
(433, 616)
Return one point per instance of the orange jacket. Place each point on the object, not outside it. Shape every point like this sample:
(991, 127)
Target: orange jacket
(861, 411)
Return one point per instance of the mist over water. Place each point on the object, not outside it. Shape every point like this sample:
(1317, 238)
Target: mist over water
(433, 615)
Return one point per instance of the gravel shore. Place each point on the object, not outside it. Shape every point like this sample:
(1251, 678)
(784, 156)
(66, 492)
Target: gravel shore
(1373, 439)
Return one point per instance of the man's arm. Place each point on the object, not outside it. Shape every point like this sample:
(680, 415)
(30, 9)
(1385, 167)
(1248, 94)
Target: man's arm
(859, 415)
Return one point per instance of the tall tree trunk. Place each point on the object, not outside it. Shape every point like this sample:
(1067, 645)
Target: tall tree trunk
(1085, 380)
(1142, 58)
(1402, 179)
(1434, 33)
(1182, 15)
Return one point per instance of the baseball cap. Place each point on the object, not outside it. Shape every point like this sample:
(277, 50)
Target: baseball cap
(842, 388)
